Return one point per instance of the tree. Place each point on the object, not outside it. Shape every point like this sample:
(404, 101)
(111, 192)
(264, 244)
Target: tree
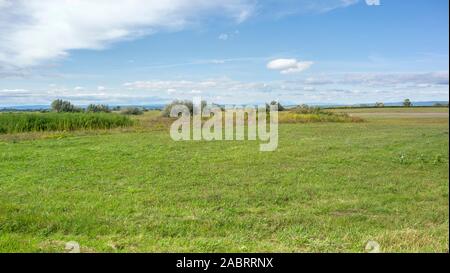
(168, 108)
(64, 106)
(407, 103)
(132, 111)
(94, 108)
(280, 107)
(306, 109)
(379, 104)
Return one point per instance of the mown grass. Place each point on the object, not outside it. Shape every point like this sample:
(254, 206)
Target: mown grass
(330, 187)
(41, 122)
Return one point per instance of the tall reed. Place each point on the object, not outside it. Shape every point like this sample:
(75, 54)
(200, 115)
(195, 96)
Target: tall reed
(40, 122)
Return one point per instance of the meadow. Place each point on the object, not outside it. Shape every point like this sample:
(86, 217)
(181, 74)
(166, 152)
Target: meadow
(329, 187)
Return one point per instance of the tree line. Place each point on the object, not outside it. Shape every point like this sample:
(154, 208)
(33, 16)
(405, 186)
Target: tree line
(63, 106)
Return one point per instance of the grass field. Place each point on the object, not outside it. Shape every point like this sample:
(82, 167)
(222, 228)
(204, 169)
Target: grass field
(330, 187)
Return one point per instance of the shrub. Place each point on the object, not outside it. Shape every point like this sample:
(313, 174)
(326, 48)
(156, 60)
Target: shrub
(305, 109)
(64, 106)
(280, 107)
(94, 108)
(166, 111)
(407, 103)
(440, 104)
(295, 117)
(132, 111)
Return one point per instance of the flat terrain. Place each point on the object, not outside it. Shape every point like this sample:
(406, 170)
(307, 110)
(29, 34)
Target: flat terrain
(400, 112)
(330, 187)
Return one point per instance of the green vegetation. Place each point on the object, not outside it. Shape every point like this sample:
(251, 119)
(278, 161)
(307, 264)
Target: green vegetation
(94, 108)
(407, 103)
(41, 122)
(187, 103)
(292, 117)
(330, 187)
(64, 106)
(307, 114)
(132, 111)
(279, 106)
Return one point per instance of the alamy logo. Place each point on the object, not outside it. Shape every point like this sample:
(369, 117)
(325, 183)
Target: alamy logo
(211, 122)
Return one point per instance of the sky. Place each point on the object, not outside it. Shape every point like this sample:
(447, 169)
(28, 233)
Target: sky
(144, 52)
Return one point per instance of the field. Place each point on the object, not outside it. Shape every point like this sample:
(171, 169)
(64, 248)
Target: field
(330, 187)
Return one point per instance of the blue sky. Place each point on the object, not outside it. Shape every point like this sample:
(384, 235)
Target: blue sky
(236, 51)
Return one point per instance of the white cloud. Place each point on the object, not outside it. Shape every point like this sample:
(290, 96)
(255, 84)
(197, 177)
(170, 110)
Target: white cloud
(327, 88)
(380, 79)
(281, 8)
(288, 66)
(36, 31)
(78, 88)
(223, 37)
(33, 32)
(101, 88)
(228, 36)
(373, 2)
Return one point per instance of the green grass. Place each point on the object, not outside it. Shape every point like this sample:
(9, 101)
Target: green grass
(330, 187)
(41, 122)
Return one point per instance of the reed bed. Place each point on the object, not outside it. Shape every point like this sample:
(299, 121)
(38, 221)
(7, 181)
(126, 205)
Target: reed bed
(41, 122)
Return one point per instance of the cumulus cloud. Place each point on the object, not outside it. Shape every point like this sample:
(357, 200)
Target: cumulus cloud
(187, 86)
(36, 31)
(288, 66)
(33, 32)
(342, 88)
(380, 79)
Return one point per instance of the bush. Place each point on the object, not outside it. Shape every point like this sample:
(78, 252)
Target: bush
(440, 104)
(93, 108)
(64, 106)
(166, 111)
(39, 122)
(305, 109)
(280, 107)
(132, 111)
(407, 103)
(294, 117)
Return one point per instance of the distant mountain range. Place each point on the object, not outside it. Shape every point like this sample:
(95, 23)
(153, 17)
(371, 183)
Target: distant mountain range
(161, 106)
(46, 107)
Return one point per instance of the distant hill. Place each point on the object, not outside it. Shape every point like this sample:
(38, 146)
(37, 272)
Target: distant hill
(388, 104)
(161, 106)
(47, 107)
